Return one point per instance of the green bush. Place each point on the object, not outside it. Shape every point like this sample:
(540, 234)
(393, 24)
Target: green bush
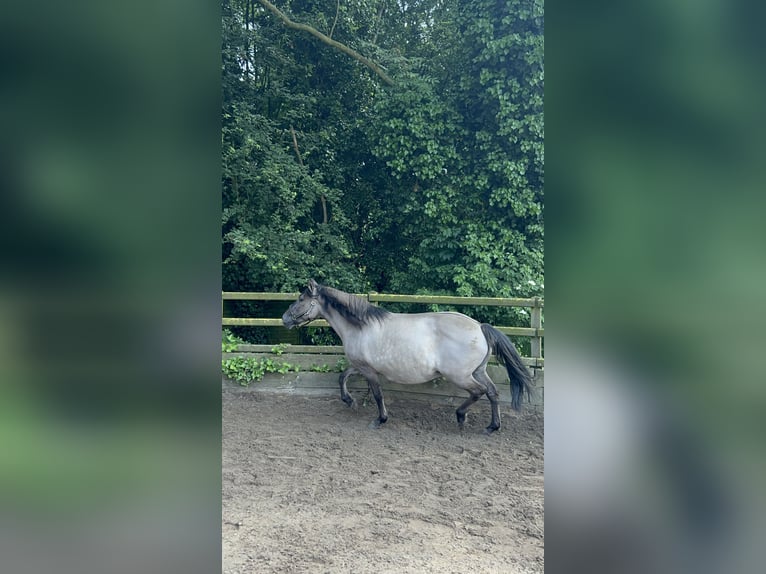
(245, 370)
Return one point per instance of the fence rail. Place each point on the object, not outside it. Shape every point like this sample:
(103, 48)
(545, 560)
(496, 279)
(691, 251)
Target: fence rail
(385, 297)
(535, 330)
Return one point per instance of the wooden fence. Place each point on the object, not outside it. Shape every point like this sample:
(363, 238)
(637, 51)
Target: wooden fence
(535, 330)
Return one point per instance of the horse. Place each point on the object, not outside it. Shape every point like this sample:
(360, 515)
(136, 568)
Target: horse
(413, 348)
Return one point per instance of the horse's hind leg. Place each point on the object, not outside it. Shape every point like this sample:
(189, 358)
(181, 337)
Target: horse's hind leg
(344, 376)
(462, 409)
(378, 394)
(482, 376)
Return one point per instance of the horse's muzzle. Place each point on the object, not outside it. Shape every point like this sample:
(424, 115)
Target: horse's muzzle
(288, 321)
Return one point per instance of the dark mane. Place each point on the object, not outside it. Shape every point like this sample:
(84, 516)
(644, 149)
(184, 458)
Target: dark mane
(353, 309)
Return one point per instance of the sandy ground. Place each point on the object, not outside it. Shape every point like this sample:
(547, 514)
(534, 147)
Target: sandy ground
(308, 487)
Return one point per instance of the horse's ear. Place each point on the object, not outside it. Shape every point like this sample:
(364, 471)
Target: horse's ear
(313, 287)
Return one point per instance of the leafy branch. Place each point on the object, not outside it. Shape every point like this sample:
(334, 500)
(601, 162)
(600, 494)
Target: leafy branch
(329, 41)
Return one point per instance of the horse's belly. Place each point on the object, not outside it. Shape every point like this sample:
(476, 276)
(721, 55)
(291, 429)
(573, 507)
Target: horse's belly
(403, 363)
(410, 376)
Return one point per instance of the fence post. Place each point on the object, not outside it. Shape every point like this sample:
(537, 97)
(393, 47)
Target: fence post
(536, 322)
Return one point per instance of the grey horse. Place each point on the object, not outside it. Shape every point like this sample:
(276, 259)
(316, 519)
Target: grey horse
(412, 348)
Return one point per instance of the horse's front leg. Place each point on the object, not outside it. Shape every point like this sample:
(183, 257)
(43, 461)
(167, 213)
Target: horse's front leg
(344, 376)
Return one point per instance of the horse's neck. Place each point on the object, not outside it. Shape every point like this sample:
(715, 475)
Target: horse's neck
(338, 323)
(342, 296)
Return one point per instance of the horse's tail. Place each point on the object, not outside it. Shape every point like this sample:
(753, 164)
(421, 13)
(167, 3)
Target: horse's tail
(508, 356)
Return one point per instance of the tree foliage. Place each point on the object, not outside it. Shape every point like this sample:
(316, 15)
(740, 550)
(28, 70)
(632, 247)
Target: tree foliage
(431, 185)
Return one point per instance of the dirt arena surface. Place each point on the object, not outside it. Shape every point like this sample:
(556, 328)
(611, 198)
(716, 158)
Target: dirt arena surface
(307, 487)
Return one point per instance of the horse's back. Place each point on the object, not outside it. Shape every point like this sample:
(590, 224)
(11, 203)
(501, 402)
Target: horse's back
(444, 325)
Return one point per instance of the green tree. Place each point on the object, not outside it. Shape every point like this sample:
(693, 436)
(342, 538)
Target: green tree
(432, 184)
(281, 221)
(462, 137)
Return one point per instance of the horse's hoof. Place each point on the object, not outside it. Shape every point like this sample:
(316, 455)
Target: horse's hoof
(376, 423)
(490, 429)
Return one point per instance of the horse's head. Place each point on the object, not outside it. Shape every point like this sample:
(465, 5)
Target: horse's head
(305, 309)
